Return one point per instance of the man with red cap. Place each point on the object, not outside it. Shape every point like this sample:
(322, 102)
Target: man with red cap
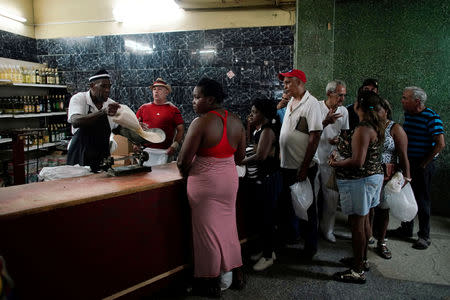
(164, 115)
(299, 138)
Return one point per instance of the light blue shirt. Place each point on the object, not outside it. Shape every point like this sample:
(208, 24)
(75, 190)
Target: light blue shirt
(280, 113)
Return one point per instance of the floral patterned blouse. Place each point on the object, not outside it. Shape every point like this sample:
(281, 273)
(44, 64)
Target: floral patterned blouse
(372, 164)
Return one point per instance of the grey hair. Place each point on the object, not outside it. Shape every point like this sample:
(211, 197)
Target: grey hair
(418, 93)
(332, 85)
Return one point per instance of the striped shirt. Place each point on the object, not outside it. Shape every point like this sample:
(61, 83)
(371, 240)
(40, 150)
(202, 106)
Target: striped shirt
(420, 129)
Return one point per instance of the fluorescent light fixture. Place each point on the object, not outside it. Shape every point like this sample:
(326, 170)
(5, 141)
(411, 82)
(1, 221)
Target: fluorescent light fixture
(207, 51)
(146, 11)
(137, 46)
(12, 16)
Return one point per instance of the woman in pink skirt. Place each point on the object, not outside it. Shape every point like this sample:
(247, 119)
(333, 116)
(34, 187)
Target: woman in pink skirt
(214, 144)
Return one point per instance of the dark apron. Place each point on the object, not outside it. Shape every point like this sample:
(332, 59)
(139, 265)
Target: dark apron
(90, 144)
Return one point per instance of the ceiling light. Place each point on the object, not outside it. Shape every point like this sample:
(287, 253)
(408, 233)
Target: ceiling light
(12, 16)
(207, 51)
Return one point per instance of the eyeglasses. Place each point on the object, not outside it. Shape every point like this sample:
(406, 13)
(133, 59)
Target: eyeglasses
(340, 95)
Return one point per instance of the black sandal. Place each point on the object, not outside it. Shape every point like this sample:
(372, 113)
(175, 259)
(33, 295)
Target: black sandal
(350, 276)
(239, 279)
(207, 287)
(348, 262)
(383, 251)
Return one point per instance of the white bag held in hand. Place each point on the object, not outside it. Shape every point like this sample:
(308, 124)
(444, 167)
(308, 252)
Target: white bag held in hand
(302, 198)
(402, 204)
(126, 118)
(395, 184)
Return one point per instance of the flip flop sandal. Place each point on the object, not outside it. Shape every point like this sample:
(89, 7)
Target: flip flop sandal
(383, 251)
(350, 276)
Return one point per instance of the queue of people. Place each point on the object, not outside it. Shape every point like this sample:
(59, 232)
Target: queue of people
(357, 148)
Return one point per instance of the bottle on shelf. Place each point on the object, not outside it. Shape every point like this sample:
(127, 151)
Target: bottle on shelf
(49, 104)
(57, 79)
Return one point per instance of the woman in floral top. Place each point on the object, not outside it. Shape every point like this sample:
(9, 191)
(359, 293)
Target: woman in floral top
(359, 179)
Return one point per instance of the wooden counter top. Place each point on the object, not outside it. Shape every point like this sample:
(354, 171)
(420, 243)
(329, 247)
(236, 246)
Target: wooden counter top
(16, 201)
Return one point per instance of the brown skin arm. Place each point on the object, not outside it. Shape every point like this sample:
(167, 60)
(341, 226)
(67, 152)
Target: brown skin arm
(191, 145)
(264, 147)
(178, 138)
(360, 143)
(401, 147)
(313, 142)
(438, 146)
(240, 150)
(80, 120)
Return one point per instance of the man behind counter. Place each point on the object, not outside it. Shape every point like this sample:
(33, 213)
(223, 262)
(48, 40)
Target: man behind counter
(164, 115)
(90, 115)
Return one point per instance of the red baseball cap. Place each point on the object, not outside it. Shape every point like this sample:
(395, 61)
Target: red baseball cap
(293, 73)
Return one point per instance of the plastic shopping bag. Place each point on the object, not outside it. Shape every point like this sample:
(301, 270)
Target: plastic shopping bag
(394, 185)
(302, 198)
(402, 204)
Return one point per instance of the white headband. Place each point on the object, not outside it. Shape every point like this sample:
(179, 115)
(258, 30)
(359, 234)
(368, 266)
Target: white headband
(99, 76)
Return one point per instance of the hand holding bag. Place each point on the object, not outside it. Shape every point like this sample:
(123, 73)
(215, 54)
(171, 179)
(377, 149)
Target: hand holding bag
(302, 198)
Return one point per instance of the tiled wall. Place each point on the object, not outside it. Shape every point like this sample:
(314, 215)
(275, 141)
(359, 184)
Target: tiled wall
(17, 46)
(254, 55)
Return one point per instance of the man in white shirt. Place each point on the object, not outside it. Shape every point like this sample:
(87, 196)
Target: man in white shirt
(335, 119)
(90, 115)
(299, 138)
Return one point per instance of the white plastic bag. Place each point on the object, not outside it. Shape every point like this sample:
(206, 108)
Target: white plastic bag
(60, 172)
(155, 157)
(126, 118)
(302, 198)
(240, 170)
(395, 184)
(402, 204)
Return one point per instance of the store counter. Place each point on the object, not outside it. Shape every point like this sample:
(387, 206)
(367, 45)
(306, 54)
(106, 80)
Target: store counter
(95, 237)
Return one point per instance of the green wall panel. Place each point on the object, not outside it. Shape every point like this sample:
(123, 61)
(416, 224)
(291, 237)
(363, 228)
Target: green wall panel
(399, 42)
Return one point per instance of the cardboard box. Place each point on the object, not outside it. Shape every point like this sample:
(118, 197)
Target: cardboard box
(124, 146)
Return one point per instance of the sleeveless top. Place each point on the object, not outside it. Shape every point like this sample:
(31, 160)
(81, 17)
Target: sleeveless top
(223, 148)
(372, 164)
(272, 163)
(389, 155)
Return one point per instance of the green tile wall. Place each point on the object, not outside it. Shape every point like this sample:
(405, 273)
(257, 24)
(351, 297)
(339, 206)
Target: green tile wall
(399, 42)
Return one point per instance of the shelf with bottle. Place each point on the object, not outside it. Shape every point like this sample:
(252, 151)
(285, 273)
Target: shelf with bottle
(47, 137)
(22, 74)
(32, 106)
(10, 83)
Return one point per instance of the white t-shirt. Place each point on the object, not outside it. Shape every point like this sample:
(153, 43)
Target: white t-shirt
(81, 104)
(330, 131)
(297, 123)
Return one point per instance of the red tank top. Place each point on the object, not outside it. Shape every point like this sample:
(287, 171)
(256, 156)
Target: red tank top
(223, 148)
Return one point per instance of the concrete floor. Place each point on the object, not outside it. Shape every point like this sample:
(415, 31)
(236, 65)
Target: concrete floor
(410, 274)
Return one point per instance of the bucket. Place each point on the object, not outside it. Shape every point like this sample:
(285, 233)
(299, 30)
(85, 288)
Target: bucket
(156, 157)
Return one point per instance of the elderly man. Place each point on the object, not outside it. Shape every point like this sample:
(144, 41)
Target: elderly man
(335, 120)
(425, 134)
(90, 115)
(164, 115)
(299, 137)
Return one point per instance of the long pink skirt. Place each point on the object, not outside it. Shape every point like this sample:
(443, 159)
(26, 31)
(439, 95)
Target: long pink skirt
(211, 188)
